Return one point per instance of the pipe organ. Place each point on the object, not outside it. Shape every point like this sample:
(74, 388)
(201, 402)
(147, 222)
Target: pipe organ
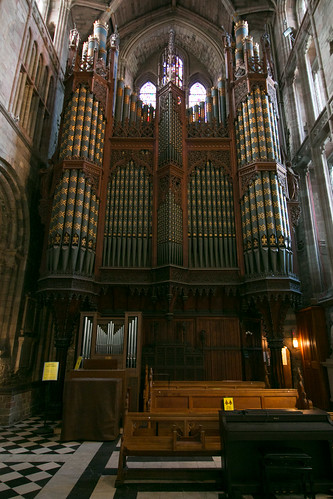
(109, 340)
(117, 338)
(183, 214)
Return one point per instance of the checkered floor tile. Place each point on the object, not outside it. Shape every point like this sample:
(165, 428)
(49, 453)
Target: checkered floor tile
(27, 438)
(25, 479)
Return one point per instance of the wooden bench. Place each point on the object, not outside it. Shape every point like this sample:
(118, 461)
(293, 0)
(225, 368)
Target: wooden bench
(158, 385)
(182, 419)
(197, 400)
(151, 386)
(186, 422)
(167, 435)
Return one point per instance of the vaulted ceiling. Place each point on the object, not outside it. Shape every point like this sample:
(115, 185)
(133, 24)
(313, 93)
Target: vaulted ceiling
(144, 25)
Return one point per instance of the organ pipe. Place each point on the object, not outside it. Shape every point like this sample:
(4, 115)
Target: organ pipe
(127, 238)
(211, 226)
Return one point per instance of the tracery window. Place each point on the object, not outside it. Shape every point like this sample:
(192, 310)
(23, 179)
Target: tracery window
(148, 94)
(173, 71)
(314, 79)
(32, 104)
(300, 109)
(197, 94)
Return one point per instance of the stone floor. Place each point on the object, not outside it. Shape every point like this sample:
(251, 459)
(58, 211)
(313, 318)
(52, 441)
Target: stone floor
(34, 464)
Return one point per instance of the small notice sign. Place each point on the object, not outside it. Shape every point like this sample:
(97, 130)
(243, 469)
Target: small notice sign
(78, 363)
(228, 404)
(50, 371)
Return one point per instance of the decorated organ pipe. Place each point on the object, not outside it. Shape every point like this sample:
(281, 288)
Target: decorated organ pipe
(133, 106)
(222, 100)
(73, 224)
(128, 227)
(126, 104)
(139, 110)
(83, 128)
(266, 232)
(130, 109)
(209, 105)
(100, 34)
(264, 213)
(215, 104)
(241, 32)
(257, 129)
(211, 225)
(213, 109)
(119, 100)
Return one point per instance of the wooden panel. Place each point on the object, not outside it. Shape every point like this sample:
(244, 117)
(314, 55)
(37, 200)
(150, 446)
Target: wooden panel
(206, 402)
(222, 347)
(171, 403)
(311, 327)
(200, 399)
(274, 403)
(214, 348)
(244, 402)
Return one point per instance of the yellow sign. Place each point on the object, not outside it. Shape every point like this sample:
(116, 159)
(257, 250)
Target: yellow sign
(78, 363)
(50, 371)
(228, 404)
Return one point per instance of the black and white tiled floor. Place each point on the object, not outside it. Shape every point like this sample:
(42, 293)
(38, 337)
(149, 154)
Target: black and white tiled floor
(35, 464)
(25, 479)
(28, 437)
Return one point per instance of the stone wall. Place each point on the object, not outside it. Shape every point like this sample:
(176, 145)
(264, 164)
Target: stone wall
(21, 159)
(19, 403)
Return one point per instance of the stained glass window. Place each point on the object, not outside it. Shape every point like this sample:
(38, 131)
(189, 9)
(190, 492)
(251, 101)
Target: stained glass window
(197, 94)
(148, 94)
(173, 72)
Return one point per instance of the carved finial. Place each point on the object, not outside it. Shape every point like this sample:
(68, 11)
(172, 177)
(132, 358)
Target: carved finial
(171, 45)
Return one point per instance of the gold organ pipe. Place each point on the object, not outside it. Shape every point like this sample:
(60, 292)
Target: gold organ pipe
(260, 125)
(247, 138)
(268, 126)
(93, 131)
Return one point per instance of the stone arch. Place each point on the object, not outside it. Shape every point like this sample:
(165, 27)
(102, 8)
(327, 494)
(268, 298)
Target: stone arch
(14, 243)
(149, 42)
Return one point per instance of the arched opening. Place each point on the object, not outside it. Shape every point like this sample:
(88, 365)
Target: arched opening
(197, 94)
(148, 94)
(15, 229)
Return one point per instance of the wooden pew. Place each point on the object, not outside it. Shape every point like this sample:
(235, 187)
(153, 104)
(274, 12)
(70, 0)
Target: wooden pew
(182, 418)
(158, 385)
(186, 422)
(167, 435)
(154, 388)
(204, 400)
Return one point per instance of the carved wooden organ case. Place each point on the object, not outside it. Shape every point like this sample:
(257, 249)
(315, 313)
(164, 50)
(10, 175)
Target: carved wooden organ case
(170, 211)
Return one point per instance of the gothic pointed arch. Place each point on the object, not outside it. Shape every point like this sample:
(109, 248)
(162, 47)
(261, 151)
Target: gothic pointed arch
(15, 230)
